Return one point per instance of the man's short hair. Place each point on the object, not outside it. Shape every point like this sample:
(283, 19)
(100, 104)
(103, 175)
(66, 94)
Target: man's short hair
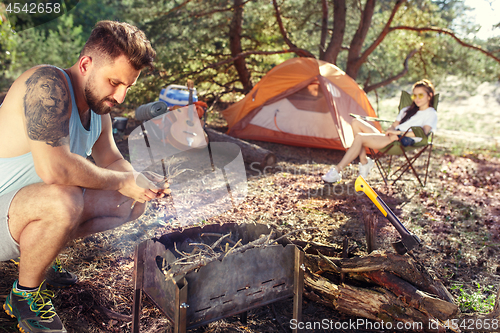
(110, 40)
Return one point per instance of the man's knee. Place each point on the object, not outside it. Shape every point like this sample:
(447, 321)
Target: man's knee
(66, 201)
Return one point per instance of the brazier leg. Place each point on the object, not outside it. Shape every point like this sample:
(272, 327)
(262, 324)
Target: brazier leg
(138, 280)
(180, 312)
(298, 286)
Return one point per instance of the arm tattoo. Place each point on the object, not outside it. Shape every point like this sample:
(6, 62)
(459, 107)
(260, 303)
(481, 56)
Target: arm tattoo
(46, 107)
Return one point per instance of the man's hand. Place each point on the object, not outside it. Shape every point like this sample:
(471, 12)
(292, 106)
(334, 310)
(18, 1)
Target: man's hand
(159, 181)
(140, 188)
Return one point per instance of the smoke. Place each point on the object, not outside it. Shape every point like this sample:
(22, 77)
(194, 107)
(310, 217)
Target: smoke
(205, 180)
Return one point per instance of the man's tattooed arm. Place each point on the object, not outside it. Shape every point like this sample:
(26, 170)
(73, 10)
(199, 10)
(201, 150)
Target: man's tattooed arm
(46, 106)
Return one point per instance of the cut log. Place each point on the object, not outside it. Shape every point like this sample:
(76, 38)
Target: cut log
(254, 155)
(419, 300)
(376, 305)
(403, 266)
(382, 287)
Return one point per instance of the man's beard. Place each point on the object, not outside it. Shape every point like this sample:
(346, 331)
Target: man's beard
(97, 105)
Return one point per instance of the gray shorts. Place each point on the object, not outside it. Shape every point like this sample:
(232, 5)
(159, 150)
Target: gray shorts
(9, 248)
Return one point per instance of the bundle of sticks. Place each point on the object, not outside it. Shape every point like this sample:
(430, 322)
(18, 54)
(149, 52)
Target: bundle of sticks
(204, 254)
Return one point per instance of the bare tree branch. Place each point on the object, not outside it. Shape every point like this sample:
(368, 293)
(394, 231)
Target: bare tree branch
(299, 52)
(383, 33)
(395, 77)
(218, 10)
(449, 33)
(424, 63)
(241, 55)
(173, 9)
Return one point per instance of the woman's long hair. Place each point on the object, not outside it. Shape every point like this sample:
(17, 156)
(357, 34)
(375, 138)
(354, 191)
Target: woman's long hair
(413, 109)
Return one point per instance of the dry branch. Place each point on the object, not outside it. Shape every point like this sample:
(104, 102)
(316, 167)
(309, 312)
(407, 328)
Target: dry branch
(395, 77)
(449, 33)
(112, 314)
(284, 34)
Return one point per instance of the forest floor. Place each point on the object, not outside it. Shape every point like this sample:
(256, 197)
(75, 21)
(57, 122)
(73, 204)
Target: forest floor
(456, 215)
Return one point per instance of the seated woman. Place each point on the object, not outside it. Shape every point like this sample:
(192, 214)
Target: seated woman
(419, 113)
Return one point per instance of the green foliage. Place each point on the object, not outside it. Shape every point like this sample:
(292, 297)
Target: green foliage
(58, 47)
(57, 42)
(481, 300)
(27, 18)
(88, 12)
(192, 41)
(8, 42)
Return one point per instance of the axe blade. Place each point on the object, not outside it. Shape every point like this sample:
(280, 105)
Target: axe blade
(406, 244)
(408, 240)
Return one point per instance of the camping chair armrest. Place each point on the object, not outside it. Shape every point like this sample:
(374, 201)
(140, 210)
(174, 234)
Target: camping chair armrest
(404, 134)
(419, 132)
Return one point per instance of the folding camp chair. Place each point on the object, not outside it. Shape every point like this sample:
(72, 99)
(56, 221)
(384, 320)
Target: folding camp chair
(396, 148)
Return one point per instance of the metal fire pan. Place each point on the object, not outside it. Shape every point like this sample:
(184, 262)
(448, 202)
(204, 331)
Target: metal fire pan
(240, 282)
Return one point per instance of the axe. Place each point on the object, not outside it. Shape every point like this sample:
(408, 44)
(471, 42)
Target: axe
(408, 240)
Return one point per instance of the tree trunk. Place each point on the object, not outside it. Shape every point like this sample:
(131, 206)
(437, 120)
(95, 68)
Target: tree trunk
(339, 21)
(324, 29)
(235, 46)
(353, 63)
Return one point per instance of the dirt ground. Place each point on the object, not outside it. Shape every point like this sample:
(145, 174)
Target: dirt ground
(457, 216)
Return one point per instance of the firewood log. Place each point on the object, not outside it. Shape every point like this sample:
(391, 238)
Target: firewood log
(254, 155)
(403, 266)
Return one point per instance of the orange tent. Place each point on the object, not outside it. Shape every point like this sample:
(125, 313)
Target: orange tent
(301, 102)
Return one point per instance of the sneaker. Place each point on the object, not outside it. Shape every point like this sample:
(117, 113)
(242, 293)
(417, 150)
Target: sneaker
(58, 277)
(332, 176)
(34, 310)
(364, 169)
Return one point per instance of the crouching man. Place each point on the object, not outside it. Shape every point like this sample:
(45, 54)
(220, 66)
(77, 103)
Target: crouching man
(50, 121)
